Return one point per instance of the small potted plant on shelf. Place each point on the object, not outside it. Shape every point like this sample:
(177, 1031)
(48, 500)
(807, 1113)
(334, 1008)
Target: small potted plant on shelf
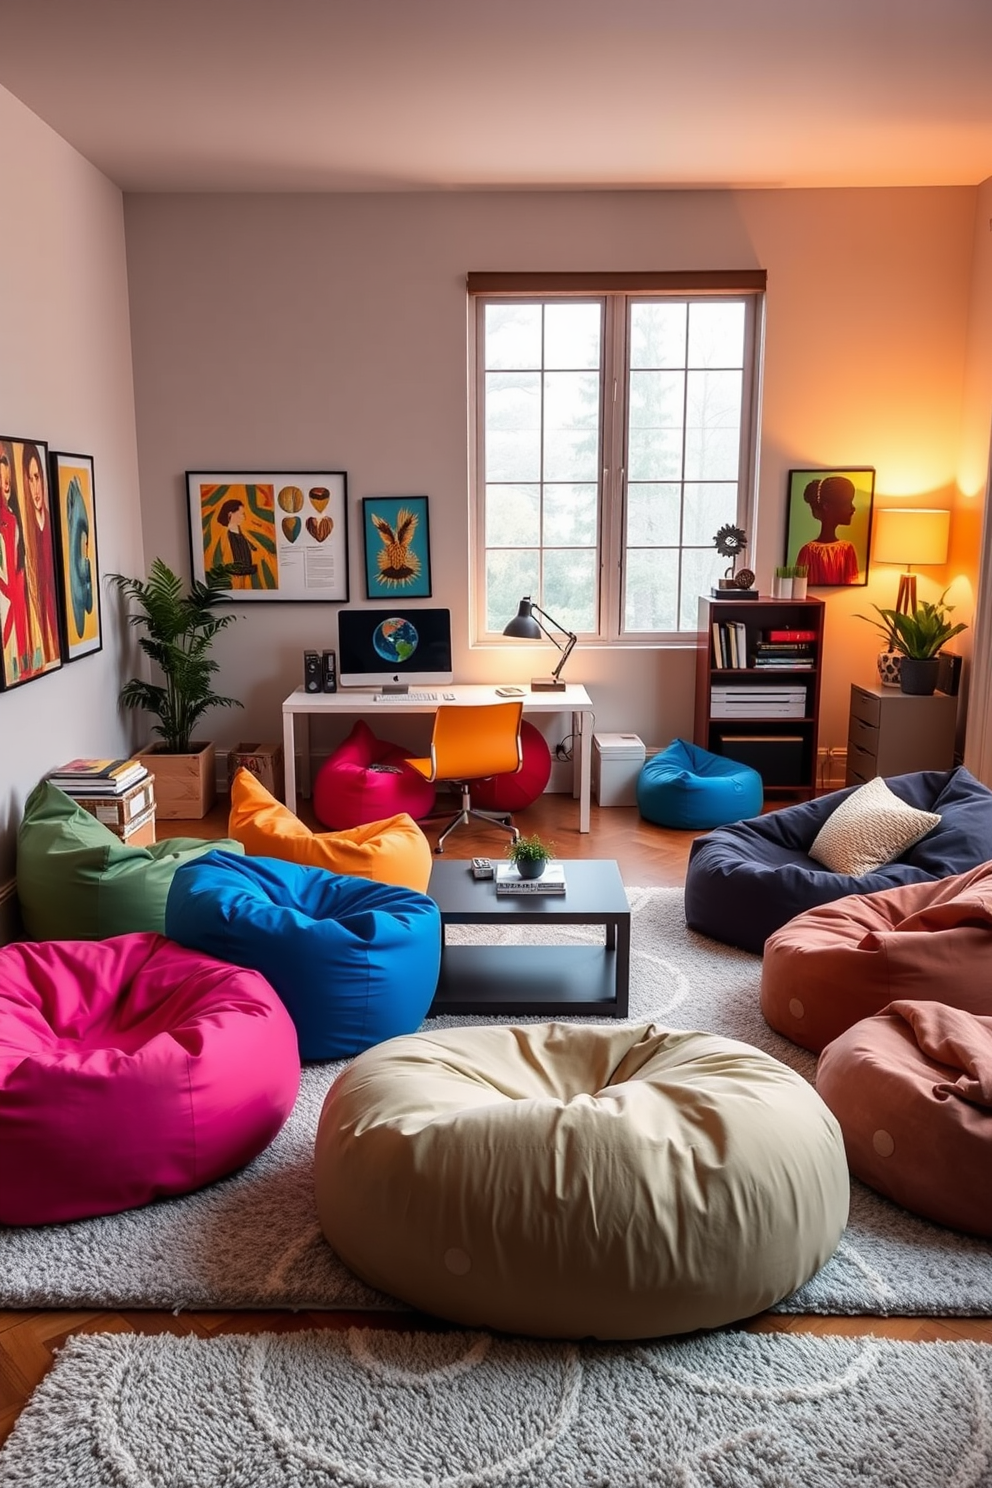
(179, 630)
(919, 638)
(530, 855)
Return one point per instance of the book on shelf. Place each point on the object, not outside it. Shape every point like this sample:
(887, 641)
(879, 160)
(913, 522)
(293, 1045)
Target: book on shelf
(790, 635)
(98, 777)
(552, 880)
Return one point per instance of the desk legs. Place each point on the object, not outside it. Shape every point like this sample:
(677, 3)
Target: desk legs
(582, 767)
(295, 728)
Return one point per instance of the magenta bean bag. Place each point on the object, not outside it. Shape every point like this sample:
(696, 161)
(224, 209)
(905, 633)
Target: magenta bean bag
(368, 780)
(132, 1069)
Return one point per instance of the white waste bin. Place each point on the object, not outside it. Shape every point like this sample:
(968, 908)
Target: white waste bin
(617, 760)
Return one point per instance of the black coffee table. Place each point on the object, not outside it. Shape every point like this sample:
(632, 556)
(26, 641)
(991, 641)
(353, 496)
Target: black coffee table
(549, 981)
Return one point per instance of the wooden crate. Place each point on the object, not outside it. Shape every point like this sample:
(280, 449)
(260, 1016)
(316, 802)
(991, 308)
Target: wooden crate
(185, 784)
(123, 813)
(265, 762)
(140, 833)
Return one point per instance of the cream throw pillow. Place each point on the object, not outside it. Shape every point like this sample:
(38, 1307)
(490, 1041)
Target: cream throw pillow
(869, 829)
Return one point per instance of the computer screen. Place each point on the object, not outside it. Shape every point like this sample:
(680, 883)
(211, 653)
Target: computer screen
(394, 648)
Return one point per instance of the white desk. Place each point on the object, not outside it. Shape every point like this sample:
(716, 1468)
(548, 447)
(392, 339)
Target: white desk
(300, 706)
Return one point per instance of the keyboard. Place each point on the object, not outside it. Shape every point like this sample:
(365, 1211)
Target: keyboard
(404, 697)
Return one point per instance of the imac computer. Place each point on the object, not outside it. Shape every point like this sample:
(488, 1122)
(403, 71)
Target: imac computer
(393, 650)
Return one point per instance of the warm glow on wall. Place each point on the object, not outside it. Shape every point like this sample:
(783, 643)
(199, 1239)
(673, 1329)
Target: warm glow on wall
(910, 535)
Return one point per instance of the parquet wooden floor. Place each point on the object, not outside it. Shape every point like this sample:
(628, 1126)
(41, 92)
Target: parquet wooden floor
(649, 857)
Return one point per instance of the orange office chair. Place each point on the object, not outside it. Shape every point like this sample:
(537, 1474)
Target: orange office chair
(473, 742)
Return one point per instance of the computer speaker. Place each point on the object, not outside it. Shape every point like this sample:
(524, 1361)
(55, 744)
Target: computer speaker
(329, 672)
(312, 672)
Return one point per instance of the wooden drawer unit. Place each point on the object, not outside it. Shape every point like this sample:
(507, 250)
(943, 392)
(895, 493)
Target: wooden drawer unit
(895, 733)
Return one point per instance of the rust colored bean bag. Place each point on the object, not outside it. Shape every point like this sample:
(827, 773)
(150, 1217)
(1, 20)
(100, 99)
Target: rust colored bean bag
(830, 967)
(394, 851)
(912, 1091)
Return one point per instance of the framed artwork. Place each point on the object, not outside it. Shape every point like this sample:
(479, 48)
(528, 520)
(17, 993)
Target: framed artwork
(828, 523)
(30, 628)
(397, 547)
(74, 506)
(284, 533)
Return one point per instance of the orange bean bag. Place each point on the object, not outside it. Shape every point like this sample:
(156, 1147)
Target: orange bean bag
(912, 1091)
(830, 967)
(394, 851)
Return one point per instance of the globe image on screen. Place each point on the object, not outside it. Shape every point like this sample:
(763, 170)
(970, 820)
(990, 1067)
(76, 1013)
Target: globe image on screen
(395, 640)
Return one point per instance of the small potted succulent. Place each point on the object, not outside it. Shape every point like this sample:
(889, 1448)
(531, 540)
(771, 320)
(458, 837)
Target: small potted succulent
(530, 855)
(919, 638)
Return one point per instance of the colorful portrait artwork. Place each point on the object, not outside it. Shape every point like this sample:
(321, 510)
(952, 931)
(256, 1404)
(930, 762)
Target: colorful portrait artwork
(30, 631)
(280, 536)
(829, 524)
(397, 547)
(74, 503)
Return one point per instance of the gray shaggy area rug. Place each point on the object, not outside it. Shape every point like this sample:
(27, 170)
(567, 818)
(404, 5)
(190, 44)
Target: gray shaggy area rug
(252, 1240)
(384, 1409)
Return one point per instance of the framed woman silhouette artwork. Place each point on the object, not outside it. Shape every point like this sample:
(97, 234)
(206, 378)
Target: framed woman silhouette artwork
(828, 524)
(74, 506)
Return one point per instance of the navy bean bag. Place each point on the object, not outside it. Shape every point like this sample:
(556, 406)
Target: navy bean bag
(355, 962)
(685, 786)
(745, 881)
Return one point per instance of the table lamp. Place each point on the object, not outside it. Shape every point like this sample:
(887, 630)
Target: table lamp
(526, 626)
(910, 535)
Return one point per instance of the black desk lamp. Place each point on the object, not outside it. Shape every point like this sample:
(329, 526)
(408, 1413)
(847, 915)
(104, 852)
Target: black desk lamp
(525, 626)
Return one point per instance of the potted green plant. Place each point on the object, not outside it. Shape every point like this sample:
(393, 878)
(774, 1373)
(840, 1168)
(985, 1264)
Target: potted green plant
(179, 630)
(919, 638)
(530, 855)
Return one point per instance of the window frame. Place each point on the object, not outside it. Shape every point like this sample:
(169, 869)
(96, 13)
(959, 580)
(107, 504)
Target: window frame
(616, 293)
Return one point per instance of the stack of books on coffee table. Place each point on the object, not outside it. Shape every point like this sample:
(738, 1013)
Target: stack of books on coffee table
(551, 881)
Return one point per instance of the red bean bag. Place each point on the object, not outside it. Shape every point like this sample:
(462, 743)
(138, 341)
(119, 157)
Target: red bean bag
(130, 1070)
(514, 792)
(367, 780)
(830, 967)
(912, 1091)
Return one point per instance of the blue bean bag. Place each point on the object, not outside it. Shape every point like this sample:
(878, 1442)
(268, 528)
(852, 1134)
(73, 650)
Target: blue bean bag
(685, 786)
(354, 961)
(745, 881)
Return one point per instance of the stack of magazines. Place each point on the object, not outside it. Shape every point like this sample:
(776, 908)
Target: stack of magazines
(98, 777)
(551, 881)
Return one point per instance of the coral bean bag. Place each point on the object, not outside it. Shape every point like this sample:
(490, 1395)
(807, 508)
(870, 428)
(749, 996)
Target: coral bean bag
(830, 967)
(366, 780)
(76, 880)
(685, 786)
(912, 1090)
(394, 851)
(130, 1070)
(570, 1180)
(521, 788)
(355, 962)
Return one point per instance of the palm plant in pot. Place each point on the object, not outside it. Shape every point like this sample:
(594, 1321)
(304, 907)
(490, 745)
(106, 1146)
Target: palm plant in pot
(919, 638)
(179, 630)
(530, 855)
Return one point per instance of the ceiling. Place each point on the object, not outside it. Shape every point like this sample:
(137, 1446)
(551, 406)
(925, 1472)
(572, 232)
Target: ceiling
(410, 95)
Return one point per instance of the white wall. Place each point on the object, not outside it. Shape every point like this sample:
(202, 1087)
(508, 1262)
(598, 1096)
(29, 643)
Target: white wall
(65, 378)
(330, 332)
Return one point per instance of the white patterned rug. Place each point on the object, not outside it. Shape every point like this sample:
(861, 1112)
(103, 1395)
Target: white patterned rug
(381, 1409)
(252, 1240)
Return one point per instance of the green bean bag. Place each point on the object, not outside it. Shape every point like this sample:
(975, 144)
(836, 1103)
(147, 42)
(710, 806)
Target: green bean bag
(76, 880)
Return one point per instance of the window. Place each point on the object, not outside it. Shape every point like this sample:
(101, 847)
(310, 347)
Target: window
(614, 435)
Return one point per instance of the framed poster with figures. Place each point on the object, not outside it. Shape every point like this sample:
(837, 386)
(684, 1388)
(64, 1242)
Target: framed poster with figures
(30, 630)
(283, 534)
(829, 523)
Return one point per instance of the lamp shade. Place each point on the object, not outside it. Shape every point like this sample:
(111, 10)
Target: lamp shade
(911, 535)
(523, 625)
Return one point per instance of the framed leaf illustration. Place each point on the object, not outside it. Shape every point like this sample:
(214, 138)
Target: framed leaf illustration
(397, 547)
(285, 533)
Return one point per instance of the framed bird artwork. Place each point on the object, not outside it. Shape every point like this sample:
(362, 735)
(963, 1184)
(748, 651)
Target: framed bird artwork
(397, 547)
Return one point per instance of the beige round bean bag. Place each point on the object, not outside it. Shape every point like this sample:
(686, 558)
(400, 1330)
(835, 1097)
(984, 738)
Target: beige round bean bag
(912, 1090)
(832, 966)
(571, 1180)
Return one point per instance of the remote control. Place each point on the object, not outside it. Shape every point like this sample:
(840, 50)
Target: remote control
(482, 868)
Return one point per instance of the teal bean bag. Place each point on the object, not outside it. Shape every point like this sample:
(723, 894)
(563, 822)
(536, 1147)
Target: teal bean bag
(355, 962)
(76, 880)
(685, 786)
